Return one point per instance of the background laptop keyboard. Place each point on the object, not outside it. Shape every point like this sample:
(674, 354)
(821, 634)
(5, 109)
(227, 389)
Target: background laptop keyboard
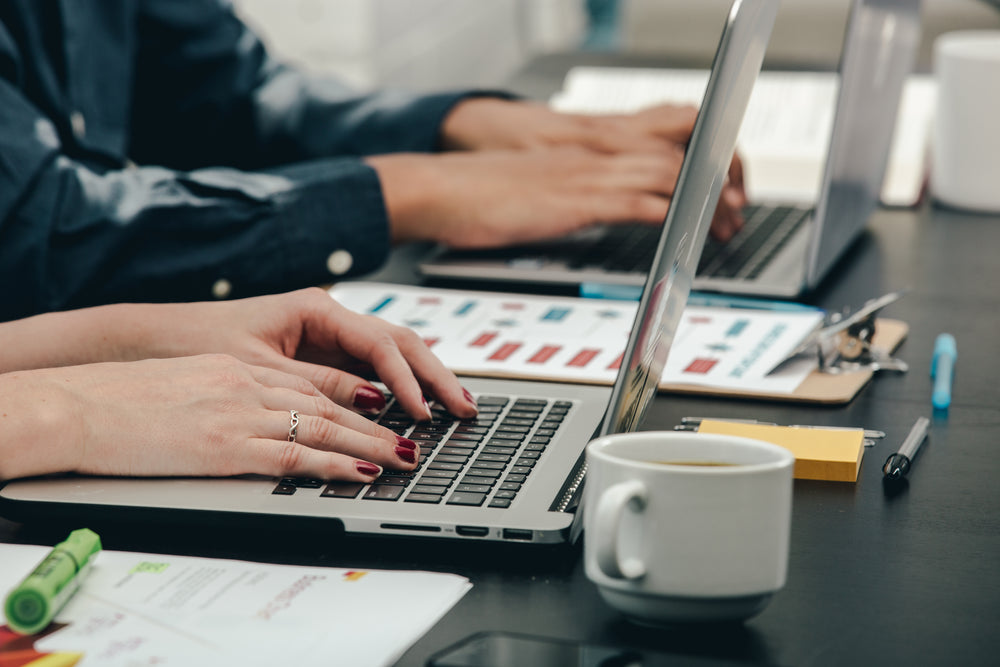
(630, 248)
(472, 462)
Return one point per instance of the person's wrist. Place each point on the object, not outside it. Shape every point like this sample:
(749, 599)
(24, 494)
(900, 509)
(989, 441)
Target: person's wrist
(37, 408)
(409, 188)
(472, 124)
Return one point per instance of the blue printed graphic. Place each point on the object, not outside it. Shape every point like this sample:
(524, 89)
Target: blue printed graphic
(465, 308)
(737, 328)
(556, 314)
(382, 304)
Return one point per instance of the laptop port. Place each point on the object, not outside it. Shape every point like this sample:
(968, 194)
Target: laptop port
(517, 534)
(472, 531)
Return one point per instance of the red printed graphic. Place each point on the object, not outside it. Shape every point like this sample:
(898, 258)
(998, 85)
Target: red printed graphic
(504, 351)
(701, 366)
(544, 354)
(512, 305)
(429, 300)
(617, 363)
(583, 357)
(431, 342)
(483, 339)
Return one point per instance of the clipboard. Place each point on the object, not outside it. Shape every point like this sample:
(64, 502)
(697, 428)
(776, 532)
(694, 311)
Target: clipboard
(824, 388)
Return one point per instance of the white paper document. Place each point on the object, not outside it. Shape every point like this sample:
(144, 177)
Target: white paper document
(583, 340)
(148, 609)
(786, 130)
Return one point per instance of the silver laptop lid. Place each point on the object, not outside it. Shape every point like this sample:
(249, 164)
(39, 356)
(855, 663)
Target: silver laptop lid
(880, 46)
(713, 141)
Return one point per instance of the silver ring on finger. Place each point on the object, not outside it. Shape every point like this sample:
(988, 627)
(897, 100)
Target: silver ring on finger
(293, 425)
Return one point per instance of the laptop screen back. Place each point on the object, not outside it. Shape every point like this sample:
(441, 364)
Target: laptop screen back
(710, 150)
(880, 47)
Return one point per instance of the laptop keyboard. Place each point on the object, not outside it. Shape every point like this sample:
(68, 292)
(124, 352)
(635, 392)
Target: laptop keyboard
(472, 462)
(630, 248)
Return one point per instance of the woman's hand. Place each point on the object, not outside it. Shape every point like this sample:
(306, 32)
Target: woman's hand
(303, 333)
(209, 415)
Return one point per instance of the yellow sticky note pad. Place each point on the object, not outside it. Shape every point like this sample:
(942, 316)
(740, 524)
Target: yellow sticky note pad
(827, 454)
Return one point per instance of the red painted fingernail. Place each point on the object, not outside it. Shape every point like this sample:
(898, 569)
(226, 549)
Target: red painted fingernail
(406, 443)
(408, 455)
(468, 396)
(366, 468)
(368, 399)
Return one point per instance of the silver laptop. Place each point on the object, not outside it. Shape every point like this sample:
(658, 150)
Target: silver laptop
(785, 249)
(515, 472)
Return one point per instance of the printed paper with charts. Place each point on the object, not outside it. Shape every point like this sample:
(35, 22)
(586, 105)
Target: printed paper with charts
(582, 340)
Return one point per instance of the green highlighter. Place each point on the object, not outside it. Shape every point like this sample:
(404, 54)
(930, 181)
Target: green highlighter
(32, 604)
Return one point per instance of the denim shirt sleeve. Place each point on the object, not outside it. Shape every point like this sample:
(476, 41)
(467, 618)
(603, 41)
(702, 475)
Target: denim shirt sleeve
(250, 179)
(207, 92)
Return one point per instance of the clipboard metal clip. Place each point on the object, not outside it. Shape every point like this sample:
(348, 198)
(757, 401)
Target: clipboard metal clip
(845, 343)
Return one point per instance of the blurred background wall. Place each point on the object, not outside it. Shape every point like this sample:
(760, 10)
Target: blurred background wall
(420, 44)
(433, 44)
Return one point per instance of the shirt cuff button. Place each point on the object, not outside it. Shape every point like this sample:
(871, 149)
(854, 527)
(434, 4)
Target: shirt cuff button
(78, 124)
(339, 262)
(222, 288)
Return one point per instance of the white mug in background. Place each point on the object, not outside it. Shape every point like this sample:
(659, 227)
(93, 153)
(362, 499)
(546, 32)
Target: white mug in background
(687, 526)
(965, 144)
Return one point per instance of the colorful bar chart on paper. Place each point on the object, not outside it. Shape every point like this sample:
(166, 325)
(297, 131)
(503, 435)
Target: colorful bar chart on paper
(582, 340)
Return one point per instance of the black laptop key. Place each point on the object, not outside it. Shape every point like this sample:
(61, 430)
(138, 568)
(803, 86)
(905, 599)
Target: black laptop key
(502, 503)
(444, 482)
(479, 463)
(472, 488)
(493, 449)
(442, 465)
(472, 499)
(394, 481)
(423, 498)
(492, 400)
(464, 452)
(438, 474)
(478, 480)
(462, 457)
(342, 490)
(284, 490)
(482, 471)
(384, 492)
(467, 437)
(498, 458)
(429, 489)
(478, 430)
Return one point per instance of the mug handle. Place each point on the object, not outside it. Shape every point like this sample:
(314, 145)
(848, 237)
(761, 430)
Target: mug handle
(610, 508)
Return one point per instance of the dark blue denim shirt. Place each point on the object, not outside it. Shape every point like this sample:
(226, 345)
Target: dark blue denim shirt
(150, 150)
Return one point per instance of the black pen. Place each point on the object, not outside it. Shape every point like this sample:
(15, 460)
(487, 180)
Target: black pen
(897, 465)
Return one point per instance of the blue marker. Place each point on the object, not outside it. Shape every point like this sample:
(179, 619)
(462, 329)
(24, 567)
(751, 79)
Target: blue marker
(943, 370)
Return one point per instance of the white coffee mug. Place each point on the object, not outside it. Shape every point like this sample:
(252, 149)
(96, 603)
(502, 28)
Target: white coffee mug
(965, 142)
(686, 526)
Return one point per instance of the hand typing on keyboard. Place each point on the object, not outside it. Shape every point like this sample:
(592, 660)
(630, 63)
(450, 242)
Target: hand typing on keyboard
(246, 386)
(520, 172)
